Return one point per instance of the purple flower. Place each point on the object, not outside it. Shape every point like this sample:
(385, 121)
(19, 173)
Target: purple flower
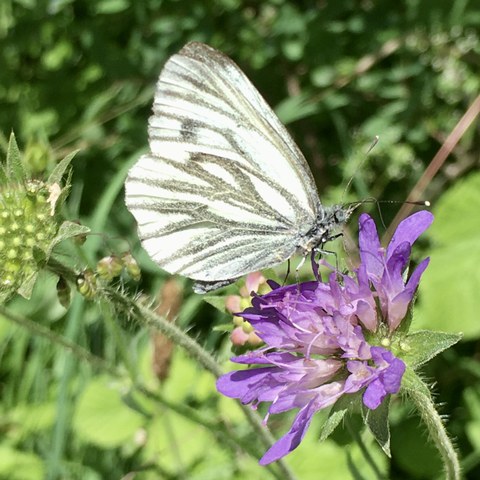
(384, 268)
(315, 349)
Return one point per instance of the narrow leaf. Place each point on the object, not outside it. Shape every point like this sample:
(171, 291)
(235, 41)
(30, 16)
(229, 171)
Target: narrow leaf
(377, 421)
(14, 167)
(336, 414)
(59, 170)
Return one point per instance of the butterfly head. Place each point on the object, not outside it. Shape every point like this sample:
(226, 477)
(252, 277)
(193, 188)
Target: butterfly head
(326, 228)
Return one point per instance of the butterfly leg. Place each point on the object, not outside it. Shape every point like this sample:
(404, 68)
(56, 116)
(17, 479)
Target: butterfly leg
(287, 274)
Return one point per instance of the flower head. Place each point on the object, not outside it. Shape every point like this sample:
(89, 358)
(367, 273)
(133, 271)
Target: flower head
(315, 335)
(30, 226)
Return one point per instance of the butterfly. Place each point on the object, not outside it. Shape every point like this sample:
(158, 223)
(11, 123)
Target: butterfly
(224, 191)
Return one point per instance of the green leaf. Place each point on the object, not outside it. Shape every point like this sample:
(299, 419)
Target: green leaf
(26, 288)
(18, 465)
(102, 418)
(14, 167)
(217, 301)
(377, 421)
(456, 213)
(448, 295)
(58, 172)
(422, 346)
(337, 412)
(67, 230)
(296, 108)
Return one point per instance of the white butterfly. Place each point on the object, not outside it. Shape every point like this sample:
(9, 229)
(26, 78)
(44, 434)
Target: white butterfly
(224, 191)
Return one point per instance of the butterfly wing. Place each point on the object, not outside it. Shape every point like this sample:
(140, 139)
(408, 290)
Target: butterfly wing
(225, 190)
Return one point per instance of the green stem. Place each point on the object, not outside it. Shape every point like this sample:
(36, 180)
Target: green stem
(219, 429)
(146, 317)
(419, 393)
(195, 350)
(80, 352)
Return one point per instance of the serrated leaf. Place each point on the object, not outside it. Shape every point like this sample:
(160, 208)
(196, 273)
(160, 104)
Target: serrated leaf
(68, 230)
(58, 172)
(423, 345)
(377, 421)
(216, 301)
(14, 167)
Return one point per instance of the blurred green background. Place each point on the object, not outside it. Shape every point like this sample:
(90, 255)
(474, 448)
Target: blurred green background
(81, 75)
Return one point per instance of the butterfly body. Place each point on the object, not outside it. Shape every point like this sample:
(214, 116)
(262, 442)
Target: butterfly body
(224, 190)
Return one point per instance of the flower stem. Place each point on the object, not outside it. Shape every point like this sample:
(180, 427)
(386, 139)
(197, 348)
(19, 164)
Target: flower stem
(219, 428)
(419, 393)
(135, 310)
(148, 318)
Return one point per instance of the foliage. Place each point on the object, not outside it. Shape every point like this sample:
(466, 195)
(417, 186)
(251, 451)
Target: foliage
(79, 395)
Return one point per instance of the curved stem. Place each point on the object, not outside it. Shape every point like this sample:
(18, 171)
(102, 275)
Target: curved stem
(147, 317)
(419, 393)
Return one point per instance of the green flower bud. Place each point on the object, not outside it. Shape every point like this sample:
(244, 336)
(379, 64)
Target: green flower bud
(131, 266)
(87, 284)
(109, 267)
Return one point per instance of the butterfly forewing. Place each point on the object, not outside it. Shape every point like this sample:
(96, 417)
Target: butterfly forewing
(225, 190)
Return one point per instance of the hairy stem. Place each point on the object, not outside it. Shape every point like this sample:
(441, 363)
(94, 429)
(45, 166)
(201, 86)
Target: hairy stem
(419, 393)
(145, 316)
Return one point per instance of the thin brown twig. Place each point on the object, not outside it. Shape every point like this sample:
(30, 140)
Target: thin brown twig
(438, 160)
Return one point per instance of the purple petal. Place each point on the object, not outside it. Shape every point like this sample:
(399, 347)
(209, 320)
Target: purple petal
(392, 376)
(370, 248)
(389, 377)
(415, 277)
(399, 258)
(397, 309)
(374, 394)
(248, 385)
(292, 438)
(410, 229)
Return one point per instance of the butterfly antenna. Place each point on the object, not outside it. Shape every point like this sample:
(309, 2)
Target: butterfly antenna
(420, 203)
(364, 158)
